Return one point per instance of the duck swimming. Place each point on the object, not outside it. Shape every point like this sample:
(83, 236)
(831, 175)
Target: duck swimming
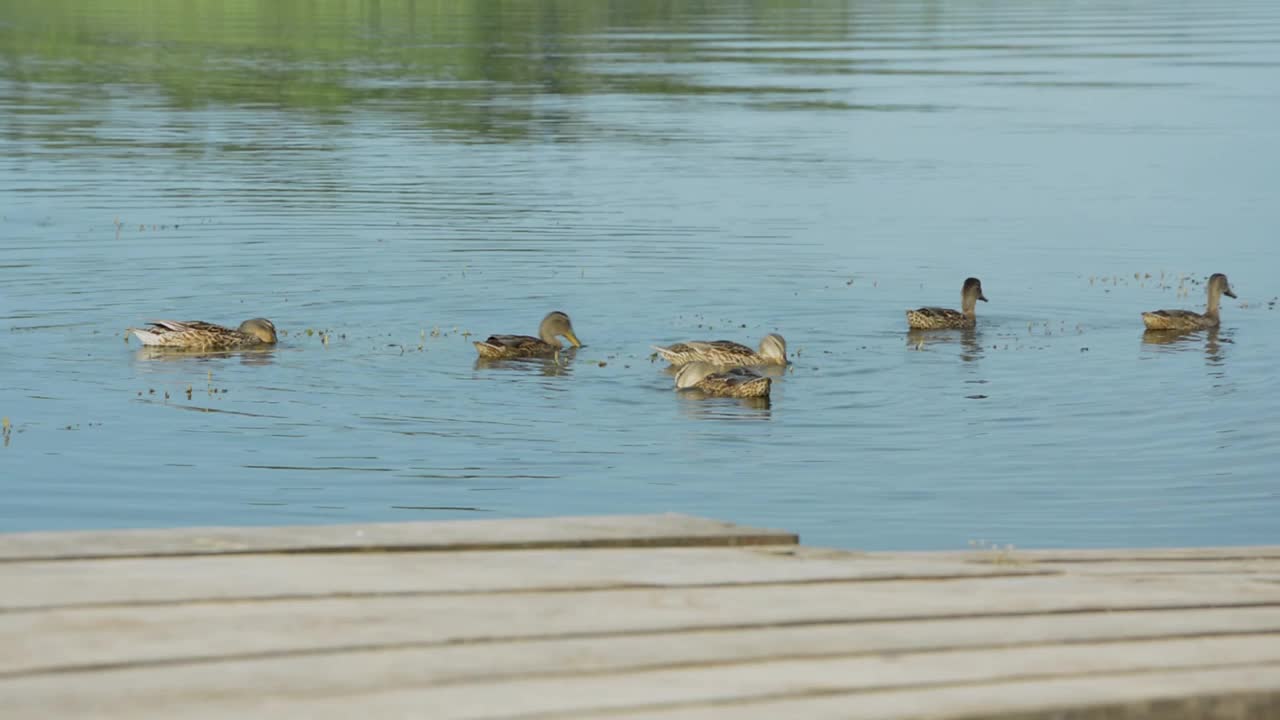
(773, 351)
(935, 318)
(199, 335)
(553, 326)
(738, 382)
(1188, 320)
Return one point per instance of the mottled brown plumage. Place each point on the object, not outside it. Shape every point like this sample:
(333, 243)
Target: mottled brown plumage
(199, 335)
(1183, 320)
(554, 325)
(773, 351)
(738, 382)
(936, 318)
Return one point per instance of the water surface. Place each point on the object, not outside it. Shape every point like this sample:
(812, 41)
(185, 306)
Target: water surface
(388, 180)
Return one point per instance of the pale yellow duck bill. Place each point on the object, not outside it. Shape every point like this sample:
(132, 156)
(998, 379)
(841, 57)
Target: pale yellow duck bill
(573, 339)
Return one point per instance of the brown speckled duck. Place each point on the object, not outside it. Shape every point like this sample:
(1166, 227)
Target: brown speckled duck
(935, 318)
(199, 335)
(1183, 320)
(738, 382)
(773, 351)
(553, 326)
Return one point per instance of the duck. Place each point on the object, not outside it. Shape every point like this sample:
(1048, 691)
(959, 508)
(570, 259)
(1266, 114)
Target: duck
(773, 351)
(736, 382)
(200, 335)
(936, 318)
(1183, 320)
(555, 325)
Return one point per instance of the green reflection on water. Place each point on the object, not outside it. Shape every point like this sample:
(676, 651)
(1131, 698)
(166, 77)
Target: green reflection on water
(473, 67)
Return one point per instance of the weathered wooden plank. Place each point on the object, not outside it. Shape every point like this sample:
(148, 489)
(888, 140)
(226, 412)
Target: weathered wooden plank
(62, 583)
(1259, 568)
(230, 685)
(1237, 693)
(614, 531)
(1107, 555)
(31, 584)
(672, 688)
(566, 617)
(47, 640)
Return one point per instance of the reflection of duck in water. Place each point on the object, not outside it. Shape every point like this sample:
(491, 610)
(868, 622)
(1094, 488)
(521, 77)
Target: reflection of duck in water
(1184, 320)
(202, 336)
(1190, 340)
(738, 382)
(546, 366)
(970, 349)
(936, 318)
(749, 409)
(255, 355)
(553, 326)
(773, 351)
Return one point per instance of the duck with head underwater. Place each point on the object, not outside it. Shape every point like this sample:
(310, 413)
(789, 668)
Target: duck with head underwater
(200, 335)
(773, 351)
(737, 382)
(555, 325)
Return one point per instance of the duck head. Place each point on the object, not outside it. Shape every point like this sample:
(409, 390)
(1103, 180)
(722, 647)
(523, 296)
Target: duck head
(774, 348)
(557, 324)
(261, 328)
(1218, 284)
(692, 374)
(973, 289)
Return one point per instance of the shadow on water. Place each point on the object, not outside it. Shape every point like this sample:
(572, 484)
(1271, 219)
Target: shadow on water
(969, 340)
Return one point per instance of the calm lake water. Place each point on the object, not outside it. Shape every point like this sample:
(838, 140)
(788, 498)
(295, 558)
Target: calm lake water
(388, 180)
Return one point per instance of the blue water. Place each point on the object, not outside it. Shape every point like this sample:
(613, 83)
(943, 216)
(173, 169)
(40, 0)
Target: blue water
(388, 186)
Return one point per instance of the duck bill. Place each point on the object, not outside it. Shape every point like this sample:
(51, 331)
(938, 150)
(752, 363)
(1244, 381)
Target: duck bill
(573, 339)
(1228, 293)
(982, 297)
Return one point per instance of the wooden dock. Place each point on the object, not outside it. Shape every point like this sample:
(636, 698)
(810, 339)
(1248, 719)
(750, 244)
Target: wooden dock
(665, 617)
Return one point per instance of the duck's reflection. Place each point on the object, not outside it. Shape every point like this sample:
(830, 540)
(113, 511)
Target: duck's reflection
(967, 338)
(247, 356)
(701, 406)
(1214, 342)
(559, 365)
